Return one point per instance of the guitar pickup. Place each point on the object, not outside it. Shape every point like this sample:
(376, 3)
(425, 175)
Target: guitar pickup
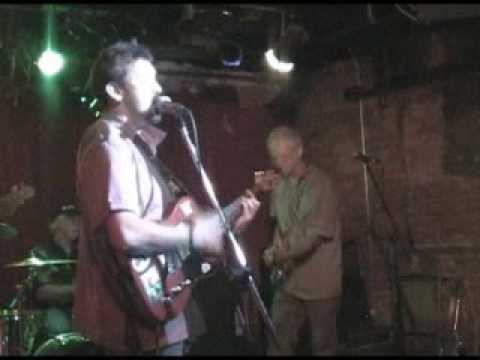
(178, 289)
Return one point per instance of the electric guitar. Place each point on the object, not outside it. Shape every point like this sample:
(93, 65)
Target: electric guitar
(280, 272)
(166, 293)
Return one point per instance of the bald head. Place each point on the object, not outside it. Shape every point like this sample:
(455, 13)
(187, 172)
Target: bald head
(65, 229)
(284, 134)
(285, 146)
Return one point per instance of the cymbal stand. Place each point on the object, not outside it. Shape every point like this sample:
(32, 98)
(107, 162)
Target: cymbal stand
(391, 259)
(15, 328)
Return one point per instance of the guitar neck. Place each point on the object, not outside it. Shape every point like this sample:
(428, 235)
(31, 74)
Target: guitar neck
(234, 210)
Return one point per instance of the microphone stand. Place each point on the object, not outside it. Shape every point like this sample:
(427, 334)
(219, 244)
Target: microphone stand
(239, 254)
(392, 262)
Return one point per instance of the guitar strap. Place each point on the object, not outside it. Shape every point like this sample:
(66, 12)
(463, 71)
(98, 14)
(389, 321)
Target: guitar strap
(168, 181)
(172, 187)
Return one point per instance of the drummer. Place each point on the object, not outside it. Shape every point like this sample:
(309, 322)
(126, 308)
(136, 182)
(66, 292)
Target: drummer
(50, 287)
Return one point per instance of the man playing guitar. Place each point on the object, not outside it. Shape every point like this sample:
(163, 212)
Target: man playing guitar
(306, 253)
(130, 236)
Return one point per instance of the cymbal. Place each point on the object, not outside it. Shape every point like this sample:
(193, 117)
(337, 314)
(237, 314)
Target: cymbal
(36, 262)
(7, 231)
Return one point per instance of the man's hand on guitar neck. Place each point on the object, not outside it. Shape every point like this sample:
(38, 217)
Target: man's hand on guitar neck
(250, 205)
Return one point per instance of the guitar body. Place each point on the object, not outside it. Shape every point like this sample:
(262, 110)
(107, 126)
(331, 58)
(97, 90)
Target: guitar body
(168, 298)
(277, 277)
(165, 299)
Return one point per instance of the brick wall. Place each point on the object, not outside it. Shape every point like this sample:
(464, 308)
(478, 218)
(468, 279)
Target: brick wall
(435, 212)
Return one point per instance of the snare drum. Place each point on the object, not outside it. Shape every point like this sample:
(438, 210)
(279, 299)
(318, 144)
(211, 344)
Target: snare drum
(66, 344)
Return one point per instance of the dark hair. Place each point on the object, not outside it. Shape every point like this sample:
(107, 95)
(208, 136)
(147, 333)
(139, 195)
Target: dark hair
(111, 66)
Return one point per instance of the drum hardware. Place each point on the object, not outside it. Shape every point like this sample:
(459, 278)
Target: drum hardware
(11, 337)
(8, 319)
(15, 320)
(36, 262)
(66, 344)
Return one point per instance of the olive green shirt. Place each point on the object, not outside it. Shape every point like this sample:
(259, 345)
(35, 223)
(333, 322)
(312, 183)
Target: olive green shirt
(305, 209)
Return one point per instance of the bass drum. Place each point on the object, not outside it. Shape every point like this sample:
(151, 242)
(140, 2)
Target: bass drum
(66, 344)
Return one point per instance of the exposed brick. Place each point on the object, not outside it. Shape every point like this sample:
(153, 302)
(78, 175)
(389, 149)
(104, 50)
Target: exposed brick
(406, 130)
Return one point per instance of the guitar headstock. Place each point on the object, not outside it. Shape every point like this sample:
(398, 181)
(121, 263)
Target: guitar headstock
(19, 193)
(266, 180)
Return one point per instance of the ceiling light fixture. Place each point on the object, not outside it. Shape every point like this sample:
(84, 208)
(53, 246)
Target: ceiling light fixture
(281, 57)
(50, 62)
(276, 64)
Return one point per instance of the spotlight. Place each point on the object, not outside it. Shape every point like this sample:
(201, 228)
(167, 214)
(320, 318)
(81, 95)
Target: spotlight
(280, 57)
(50, 62)
(230, 53)
(276, 64)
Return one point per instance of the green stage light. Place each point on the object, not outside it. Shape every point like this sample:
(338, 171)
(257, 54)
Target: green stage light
(50, 62)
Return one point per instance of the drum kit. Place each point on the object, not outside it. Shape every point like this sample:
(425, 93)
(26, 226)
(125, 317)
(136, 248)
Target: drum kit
(15, 320)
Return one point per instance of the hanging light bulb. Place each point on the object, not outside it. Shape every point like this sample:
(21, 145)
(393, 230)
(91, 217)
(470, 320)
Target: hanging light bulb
(50, 62)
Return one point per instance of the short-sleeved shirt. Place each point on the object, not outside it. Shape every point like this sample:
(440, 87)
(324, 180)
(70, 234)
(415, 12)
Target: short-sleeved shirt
(113, 175)
(306, 208)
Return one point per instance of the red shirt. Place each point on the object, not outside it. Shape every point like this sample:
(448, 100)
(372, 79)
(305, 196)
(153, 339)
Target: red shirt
(112, 175)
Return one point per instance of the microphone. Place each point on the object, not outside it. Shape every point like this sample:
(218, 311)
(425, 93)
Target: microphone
(366, 158)
(163, 105)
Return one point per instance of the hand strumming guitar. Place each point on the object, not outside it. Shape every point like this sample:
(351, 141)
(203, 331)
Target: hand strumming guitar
(277, 254)
(207, 234)
(277, 260)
